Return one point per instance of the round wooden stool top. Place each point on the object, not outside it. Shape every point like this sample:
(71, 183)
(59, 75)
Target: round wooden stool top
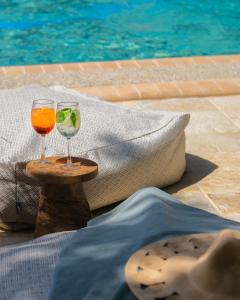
(56, 172)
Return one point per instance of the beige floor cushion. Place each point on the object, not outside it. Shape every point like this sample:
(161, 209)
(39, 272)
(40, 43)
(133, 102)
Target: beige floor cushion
(134, 149)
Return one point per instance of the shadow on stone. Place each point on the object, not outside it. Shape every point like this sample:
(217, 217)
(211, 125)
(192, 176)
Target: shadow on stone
(197, 168)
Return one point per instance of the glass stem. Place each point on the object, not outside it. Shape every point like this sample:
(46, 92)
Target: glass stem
(43, 148)
(69, 157)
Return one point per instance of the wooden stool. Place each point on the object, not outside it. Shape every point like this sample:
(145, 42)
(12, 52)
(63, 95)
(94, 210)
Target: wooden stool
(63, 205)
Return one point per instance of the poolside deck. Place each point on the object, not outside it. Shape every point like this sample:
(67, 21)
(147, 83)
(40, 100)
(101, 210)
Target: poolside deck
(136, 79)
(211, 181)
(207, 87)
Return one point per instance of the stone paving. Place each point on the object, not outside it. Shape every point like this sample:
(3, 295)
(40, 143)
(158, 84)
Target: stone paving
(136, 79)
(211, 181)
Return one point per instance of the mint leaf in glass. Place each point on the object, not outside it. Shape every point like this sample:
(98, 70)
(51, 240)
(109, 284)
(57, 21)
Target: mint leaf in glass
(73, 118)
(66, 110)
(62, 114)
(60, 117)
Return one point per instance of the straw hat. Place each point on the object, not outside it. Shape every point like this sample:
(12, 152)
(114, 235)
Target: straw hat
(192, 267)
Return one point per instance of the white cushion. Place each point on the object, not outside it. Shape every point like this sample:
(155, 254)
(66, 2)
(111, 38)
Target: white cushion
(132, 148)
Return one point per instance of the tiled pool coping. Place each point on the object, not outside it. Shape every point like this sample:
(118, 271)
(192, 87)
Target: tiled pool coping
(175, 89)
(142, 90)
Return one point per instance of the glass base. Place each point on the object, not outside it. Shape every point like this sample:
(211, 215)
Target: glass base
(70, 165)
(43, 161)
(75, 162)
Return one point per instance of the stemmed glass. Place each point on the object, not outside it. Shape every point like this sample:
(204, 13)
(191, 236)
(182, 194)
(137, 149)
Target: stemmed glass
(43, 121)
(68, 123)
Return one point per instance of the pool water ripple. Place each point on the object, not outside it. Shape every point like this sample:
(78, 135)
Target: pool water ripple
(48, 31)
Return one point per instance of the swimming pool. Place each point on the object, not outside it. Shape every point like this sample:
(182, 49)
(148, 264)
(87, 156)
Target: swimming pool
(50, 31)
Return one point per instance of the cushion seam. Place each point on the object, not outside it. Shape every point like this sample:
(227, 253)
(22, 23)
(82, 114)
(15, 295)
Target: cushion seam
(132, 139)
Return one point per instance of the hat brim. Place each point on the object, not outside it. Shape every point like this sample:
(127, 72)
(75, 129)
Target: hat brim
(159, 271)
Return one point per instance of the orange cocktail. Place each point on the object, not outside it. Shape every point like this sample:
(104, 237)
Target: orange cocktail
(43, 119)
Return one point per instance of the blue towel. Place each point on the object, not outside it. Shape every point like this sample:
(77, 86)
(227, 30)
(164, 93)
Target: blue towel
(91, 266)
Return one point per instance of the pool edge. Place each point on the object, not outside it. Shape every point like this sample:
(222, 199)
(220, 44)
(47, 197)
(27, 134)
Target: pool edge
(140, 91)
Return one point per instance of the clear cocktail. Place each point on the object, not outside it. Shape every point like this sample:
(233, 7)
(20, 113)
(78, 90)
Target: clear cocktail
(68, 122)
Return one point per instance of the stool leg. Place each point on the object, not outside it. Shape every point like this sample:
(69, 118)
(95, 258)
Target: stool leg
(61, 208)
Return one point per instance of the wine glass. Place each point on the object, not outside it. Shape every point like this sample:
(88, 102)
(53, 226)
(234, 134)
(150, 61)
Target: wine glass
(43, 121)
(68, 123)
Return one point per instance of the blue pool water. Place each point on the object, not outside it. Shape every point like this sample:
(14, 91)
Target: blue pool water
(50, 31)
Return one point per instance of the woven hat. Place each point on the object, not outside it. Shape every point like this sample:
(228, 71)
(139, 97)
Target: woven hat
(192, 267)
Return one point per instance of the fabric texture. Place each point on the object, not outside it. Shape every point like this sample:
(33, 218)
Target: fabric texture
(27, 268)
(92, 260)
(91, 267)
(134, 149)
